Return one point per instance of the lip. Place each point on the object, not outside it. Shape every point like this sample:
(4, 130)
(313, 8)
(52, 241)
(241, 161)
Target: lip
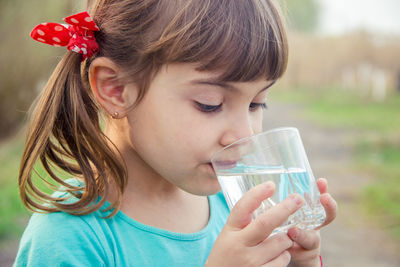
(212, 167)
(226, 164)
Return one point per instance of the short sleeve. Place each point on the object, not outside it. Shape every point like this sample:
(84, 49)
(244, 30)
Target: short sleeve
(60, 239)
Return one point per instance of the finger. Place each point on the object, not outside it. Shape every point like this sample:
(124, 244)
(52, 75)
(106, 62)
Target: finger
(299, 253)
(273, 246)
(281, 260)
(322, 184)
(330, 207)
(309, 240)
(263, 225)
(241, 213)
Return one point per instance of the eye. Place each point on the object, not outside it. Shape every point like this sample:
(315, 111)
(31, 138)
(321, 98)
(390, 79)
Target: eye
(208, 108)
(256, 106)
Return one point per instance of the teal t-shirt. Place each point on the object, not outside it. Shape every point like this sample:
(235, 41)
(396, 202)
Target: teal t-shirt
(61, 239)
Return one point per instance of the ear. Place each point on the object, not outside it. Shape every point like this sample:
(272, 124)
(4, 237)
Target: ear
(115, 96)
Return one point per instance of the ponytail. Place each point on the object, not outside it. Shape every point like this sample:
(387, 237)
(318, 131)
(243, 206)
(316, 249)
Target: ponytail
(65, 134)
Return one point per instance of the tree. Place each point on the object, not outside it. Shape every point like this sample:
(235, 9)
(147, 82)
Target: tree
(25, 64)
(302, 14)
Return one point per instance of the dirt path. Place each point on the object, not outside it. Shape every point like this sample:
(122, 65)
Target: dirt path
(8, 250)
(350, 240)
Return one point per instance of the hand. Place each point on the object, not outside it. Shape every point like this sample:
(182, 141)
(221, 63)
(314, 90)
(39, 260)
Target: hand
(306, 247)
(243, 242)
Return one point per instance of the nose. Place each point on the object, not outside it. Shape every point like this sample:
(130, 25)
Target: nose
(236, 128)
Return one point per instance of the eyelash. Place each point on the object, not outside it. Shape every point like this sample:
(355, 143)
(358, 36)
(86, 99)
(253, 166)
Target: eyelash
(254, 106)
(211, 108)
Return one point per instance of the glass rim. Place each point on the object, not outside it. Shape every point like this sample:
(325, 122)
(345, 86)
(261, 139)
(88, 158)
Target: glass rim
(294, 129)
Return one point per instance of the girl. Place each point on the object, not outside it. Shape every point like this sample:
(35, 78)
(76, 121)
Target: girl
(175, 81)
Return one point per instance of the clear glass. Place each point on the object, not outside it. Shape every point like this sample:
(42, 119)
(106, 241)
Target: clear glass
(277, 155)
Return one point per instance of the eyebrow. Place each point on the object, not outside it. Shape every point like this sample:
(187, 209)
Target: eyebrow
(225, 85)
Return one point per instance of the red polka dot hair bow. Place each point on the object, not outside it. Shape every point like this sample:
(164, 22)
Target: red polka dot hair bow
(77, 37)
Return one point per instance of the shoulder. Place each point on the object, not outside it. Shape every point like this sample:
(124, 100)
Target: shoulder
(60, 224)
(58, 238)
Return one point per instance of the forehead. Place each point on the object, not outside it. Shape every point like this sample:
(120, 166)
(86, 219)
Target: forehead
(187, 74)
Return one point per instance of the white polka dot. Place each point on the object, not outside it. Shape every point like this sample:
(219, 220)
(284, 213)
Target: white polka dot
(84, 50)
(58, 28)
(85, 45)
(85, 28)
(76, 49)
(41, 40)
(56, 39)
(40, 32)
(44, 23)
(74, 36)
(88, 19)
(73, 20)
(84, 38)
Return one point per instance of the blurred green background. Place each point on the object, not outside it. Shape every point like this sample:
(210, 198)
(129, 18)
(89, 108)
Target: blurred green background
(345, 79)
(25, 66)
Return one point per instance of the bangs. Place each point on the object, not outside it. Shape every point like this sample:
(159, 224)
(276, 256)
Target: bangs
(244, 40)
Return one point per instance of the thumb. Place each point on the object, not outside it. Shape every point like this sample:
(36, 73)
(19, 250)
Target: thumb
(242, 212)
(307, 239)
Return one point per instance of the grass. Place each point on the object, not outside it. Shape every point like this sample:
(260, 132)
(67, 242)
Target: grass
(339, 108)
(13, 215)
(377, 146)
(382, 159)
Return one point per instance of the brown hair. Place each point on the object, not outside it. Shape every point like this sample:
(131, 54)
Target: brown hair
(243, 40)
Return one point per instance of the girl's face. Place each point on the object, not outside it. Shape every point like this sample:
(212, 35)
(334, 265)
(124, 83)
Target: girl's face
(185, 117)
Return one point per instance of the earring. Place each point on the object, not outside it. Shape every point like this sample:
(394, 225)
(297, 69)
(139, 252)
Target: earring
(115, 115)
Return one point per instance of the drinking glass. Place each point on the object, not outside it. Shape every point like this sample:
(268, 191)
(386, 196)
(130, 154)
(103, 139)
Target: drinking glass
(276, 155)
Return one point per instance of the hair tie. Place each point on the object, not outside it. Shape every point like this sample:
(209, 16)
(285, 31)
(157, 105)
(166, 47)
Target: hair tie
(77, 37)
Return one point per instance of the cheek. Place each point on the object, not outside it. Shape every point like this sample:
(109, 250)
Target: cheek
(175, 136)
(191, 132)
(257, 122)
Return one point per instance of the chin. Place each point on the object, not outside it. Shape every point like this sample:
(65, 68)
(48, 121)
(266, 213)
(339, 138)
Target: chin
(209, 187)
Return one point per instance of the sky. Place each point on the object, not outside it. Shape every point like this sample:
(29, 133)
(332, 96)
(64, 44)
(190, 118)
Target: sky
(341, 16)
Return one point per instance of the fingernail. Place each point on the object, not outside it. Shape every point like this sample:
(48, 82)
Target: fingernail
(294, 234)
(297, 199)
(269, 185)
